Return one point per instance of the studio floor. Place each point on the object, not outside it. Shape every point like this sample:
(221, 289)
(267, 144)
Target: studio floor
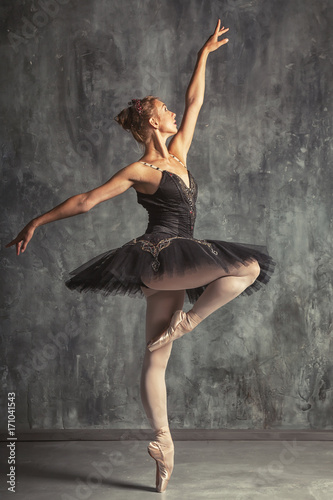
(123, 470)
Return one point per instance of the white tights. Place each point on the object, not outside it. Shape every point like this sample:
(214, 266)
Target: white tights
(165, 296)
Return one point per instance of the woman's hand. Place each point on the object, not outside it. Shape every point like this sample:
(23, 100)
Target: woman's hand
(23, 238)
(213, 42)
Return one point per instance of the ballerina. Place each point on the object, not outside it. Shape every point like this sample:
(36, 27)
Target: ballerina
(166, 262)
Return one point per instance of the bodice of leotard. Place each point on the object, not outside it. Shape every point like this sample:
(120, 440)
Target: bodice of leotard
(171, 209)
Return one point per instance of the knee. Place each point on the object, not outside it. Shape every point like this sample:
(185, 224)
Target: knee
(254, 271)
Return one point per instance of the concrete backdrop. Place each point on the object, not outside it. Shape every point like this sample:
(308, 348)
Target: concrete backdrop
(262, 158)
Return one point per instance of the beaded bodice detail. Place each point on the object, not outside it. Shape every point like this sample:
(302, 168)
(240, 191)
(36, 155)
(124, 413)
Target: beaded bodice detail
(171, 208)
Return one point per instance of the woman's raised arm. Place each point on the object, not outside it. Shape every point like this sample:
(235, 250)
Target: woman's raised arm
(78, 204)
(194, 97)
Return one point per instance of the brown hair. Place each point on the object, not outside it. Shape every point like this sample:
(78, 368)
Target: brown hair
(135, 118)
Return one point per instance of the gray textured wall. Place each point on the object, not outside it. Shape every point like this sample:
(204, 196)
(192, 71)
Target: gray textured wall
(261, 156)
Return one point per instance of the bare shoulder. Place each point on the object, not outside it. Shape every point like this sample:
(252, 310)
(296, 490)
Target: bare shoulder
(132, 172)
(141, 177)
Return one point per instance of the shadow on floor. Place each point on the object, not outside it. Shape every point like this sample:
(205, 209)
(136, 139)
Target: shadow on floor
(34, 471)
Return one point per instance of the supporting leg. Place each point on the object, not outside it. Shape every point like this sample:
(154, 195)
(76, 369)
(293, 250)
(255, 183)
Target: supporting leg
(160, 307)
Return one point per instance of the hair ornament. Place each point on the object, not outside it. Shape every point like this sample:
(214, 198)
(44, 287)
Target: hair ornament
(137, 104)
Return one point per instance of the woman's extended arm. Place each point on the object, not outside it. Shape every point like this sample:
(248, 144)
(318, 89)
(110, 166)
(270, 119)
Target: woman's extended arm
(195, 94)
(78, 204)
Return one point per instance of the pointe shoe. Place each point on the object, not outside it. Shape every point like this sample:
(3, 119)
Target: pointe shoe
(180, 324)
(163, 455)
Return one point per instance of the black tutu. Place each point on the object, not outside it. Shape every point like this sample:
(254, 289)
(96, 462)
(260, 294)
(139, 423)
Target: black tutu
(119, 271)
(167, 248)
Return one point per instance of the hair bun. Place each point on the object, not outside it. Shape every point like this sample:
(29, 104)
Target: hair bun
(135, 118)
(124, 119)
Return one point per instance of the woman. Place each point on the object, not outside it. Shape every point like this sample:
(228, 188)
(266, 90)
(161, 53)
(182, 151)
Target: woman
(166, 262)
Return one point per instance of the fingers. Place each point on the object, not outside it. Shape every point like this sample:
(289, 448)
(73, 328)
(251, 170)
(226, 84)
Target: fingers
(217, 29)
(220, 29)
(13, 242)
(20, 245)
(223, 42)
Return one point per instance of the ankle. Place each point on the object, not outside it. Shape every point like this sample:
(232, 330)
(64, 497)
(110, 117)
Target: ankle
(162, 431)
(193, 319)
(163, 435)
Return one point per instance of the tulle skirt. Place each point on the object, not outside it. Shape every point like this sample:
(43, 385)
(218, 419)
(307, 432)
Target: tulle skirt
(120, 270)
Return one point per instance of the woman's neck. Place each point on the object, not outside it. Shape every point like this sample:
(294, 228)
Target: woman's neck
(156, 148)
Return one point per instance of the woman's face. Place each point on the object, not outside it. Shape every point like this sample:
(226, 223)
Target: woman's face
(166, 118)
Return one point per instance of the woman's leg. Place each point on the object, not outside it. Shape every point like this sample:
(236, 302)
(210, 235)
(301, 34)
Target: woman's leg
(160, 307)
(221, 288)
(225, 288)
